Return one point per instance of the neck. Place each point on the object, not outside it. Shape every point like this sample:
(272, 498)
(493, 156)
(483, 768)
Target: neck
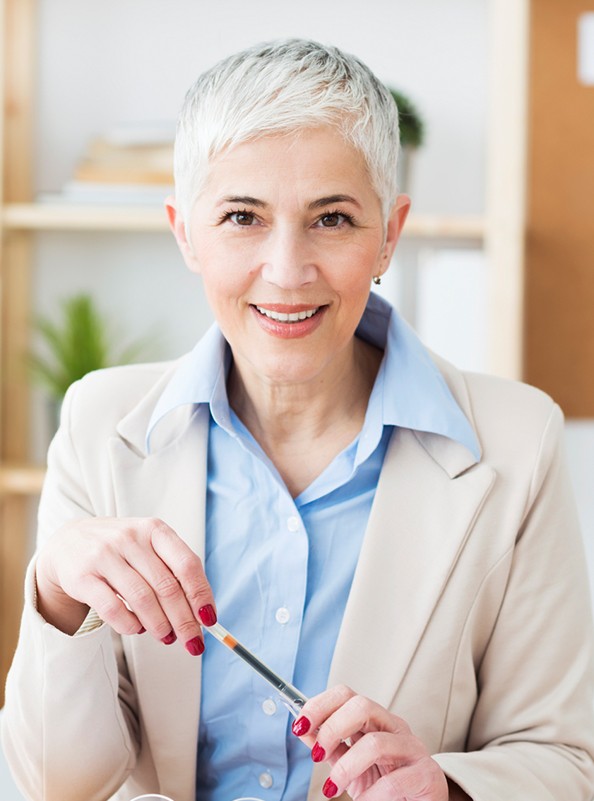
(302, 427)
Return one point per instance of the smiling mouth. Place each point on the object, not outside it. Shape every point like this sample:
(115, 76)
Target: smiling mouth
(288, 317)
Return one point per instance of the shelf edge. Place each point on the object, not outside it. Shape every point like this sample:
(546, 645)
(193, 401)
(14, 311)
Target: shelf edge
(21, 479)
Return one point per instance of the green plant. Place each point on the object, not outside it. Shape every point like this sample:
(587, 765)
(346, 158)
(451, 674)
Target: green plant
(412, 127)
(77, 345)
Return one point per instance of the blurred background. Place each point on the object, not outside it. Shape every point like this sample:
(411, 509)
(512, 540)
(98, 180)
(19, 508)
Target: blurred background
(496, 268)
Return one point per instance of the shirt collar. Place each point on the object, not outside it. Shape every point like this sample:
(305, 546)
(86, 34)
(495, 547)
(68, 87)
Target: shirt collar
(415, 394)
(410, 389)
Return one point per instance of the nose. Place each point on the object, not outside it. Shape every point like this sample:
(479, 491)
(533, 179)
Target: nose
(287, 260)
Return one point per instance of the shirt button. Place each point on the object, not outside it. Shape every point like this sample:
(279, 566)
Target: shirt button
(282, 615)
(269, 706)
(293, 523)
(265, 780)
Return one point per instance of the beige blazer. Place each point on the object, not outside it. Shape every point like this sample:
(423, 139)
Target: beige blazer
(469, 614)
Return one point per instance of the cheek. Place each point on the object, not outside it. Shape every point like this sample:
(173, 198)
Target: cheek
(358, 262)
(217, 254)
(352, 277)
(225, 281)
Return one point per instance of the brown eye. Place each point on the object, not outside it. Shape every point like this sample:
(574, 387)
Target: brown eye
(332, 220)
(335, 219)
(243, 218)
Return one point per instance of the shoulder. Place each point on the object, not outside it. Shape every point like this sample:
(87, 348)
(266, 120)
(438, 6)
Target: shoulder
(110, 394)
(128, 379)
(515, 422)
(507, 404)
(494, 401)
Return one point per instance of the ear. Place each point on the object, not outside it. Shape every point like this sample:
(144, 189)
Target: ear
(395, 225)
(178, 228)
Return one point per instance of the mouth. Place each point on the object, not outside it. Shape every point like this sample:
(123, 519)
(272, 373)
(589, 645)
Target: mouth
(288, 317)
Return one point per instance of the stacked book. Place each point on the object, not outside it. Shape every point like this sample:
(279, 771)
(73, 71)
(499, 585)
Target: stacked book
(132, 164)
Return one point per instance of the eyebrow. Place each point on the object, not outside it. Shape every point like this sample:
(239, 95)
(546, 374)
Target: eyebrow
(248, 200)
(331, 199)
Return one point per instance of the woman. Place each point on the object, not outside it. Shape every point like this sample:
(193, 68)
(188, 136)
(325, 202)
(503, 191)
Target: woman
(359, 513)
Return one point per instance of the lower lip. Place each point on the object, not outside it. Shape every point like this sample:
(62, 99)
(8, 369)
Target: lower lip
(302, 328)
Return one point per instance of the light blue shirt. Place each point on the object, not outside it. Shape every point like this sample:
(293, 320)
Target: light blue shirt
(281, 568)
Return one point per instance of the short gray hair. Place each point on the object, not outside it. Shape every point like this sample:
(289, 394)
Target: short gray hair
(280, 87)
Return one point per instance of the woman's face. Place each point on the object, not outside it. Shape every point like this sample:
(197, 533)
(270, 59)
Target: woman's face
(287, 235)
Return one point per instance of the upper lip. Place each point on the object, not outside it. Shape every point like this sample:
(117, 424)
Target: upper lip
(288, 308)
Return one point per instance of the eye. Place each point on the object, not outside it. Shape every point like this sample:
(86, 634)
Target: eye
(243, 218)
(334, 219)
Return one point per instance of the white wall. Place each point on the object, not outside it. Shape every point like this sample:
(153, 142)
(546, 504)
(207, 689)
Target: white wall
(104, 62)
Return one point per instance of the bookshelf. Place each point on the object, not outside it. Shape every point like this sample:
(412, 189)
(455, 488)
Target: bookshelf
(17, 27)
(500, 232)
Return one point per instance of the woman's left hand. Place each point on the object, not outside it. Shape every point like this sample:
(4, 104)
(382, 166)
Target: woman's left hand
(385, 760)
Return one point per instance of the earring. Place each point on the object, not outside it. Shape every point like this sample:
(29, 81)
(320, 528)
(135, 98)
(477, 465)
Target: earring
(377, 279)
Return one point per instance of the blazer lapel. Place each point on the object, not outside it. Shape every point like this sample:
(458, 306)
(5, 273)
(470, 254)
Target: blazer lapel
(421, 516)
(168, 484)
(428, 495)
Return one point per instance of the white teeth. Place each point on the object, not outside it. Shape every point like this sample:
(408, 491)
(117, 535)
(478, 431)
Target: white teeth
(283, 317)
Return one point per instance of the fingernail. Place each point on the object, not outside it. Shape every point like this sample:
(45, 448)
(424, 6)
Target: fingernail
(317, 753)
(329, 789)
(169, 639)
(142, 630)
(195, 646)
(300, 726)
(207, 615)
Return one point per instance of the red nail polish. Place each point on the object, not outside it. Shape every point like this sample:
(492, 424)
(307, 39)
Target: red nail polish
(142, 630)
(207, 615)
(300, 726)
(195, 646)
(329, 789)
(169, 639)
(317, 753)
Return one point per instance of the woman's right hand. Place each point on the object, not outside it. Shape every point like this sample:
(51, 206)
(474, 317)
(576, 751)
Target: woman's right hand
(136, 573)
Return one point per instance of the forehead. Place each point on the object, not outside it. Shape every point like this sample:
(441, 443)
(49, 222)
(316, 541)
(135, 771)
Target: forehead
(304, 161)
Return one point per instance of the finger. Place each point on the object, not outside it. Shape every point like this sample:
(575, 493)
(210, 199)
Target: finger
(158, 599)
(136, 593)
(318, 708)
(187, 567)
(384, 750)
(111, 609)
(315, 711)
(356, 714)
(143, 582)
(422, 781)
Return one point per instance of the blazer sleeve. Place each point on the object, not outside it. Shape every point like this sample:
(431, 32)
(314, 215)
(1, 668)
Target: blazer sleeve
(62, 742)
(532, 732)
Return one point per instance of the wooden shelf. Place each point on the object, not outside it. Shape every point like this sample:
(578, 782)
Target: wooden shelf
(427, 226)
(21, 479)
(63, 217)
